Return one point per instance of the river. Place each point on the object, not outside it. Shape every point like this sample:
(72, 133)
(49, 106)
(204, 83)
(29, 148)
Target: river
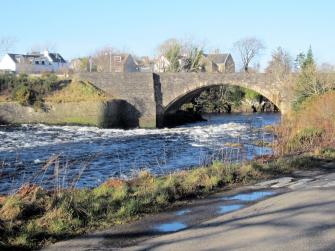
(87, 156)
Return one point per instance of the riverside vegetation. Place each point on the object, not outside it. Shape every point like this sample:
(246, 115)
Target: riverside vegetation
(36, 91)
(33, 217)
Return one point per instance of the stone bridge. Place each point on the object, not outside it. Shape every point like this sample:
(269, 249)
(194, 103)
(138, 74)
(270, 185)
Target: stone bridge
(154, 95)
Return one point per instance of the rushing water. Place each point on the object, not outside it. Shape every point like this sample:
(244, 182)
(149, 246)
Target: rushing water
(87, 156)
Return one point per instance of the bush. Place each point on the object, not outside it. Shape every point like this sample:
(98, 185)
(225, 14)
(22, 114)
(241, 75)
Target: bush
(23, 94)
(28, 90)
(306, 139)
(309, 128)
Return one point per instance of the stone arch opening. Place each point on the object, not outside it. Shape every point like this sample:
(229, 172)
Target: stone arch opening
(188, 95)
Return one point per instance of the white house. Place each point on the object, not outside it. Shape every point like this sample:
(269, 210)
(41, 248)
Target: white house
(33, 63)
(161, 64)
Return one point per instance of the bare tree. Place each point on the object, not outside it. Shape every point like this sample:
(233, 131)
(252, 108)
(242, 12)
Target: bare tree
(6, 44)
(280, 64)
(248, 48)
(167, 45)
(102, 58)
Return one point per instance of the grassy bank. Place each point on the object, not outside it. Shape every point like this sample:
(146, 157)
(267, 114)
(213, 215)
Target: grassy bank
(33, 217)
(34, 91)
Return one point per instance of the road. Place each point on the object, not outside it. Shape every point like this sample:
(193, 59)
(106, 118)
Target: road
(301, 218)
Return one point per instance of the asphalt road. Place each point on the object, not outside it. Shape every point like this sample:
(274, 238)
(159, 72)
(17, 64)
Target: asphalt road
(303, 219)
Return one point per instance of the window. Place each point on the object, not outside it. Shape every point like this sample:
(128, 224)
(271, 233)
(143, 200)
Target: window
(117, 59)
(43, 62)
(37, 62)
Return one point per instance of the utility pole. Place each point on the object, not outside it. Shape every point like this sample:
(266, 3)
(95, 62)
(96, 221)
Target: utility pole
(110, 58)
(90, 60)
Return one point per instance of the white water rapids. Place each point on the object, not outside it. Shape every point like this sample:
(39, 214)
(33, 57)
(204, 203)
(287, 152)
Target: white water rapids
(98, 154)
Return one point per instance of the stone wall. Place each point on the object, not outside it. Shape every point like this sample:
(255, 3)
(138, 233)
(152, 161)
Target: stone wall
(137, 89)
(115, 113)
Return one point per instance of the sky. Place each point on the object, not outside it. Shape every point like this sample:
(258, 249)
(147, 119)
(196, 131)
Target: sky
(77, 28)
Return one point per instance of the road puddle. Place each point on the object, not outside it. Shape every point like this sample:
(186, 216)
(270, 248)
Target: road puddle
(183, 212)
(249, 197)
(229, 208)
(170, 227)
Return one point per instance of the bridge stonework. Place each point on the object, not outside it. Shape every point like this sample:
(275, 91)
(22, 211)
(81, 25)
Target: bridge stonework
(153, 95)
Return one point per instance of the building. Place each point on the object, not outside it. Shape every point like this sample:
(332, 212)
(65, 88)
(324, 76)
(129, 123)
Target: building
(33, 63)
(223, 63)
(84, 64)
(121, 62)
(145, 64)
(161, 64)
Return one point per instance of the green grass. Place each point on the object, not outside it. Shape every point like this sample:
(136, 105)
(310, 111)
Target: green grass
(76, 91)
(36, 218)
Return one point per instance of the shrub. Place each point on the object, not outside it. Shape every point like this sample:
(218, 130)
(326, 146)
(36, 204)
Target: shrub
(309, 128)
(28, 90)
(23, 94)
(306, 139)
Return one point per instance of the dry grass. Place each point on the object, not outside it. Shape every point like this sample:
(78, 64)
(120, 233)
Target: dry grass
(311, 127)
(4, 98)
(77, 91)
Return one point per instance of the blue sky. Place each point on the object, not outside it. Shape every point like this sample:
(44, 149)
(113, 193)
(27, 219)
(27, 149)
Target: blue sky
(77, 28)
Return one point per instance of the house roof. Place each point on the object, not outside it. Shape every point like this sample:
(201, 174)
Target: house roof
(57, 58)
(14, 57)
(217, 58)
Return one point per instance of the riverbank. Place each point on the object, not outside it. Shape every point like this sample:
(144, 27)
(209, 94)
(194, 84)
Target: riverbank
(33, 217)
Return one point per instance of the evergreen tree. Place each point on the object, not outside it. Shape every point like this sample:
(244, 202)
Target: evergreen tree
(309, 82)
(299, 61)
(309, 60)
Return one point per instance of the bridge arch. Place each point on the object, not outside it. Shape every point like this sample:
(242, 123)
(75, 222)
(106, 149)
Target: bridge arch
(188, 94)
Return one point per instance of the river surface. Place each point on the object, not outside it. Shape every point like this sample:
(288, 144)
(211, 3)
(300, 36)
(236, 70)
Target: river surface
(63, 156)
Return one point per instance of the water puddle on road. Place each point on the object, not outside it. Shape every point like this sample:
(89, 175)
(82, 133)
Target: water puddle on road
(249, 197)
(170, 227)
(229, 208)
(183, 212)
